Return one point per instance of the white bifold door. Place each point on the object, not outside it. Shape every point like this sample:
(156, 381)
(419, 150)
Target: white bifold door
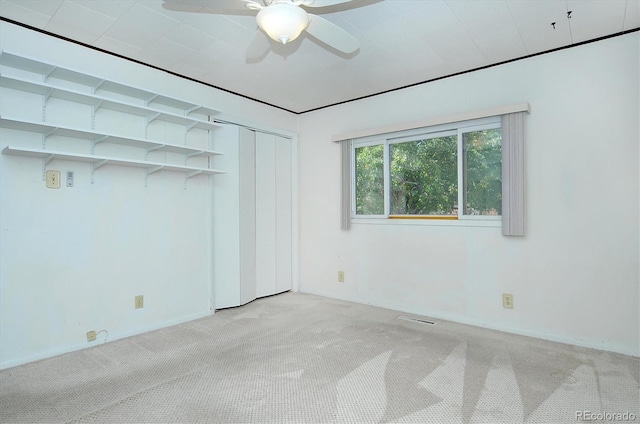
(252, 216)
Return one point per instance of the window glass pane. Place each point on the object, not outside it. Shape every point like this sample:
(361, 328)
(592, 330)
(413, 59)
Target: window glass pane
(370, 180)
(424, 176)
(483, 172)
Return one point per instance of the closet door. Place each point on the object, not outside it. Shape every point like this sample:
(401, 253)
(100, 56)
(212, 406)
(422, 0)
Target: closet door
(283, 214)
(265, 215)
(247, 233)
(234, 219)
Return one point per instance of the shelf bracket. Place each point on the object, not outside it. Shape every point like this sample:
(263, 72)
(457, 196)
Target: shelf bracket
(45, 99)
(151, 171)
(45, 161)
(97, 87)
(95, 109)
(96, 165)
(188, 128)
(154, 169)
(152, 118)
(190, 175)
(46, 135)
(151, 149)
(189, 111)
(49, 72)
(189, 155)
(146, 102)
(47, 95)
(97, 141)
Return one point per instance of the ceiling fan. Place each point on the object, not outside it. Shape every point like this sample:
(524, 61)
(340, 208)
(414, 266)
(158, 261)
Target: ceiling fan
(281, 20)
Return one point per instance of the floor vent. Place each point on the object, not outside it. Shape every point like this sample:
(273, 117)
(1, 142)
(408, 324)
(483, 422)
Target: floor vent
(422, 321)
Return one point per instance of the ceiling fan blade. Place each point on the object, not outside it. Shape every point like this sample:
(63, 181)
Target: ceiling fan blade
(259, 46)
(323, 3)
(222, 7)
(332, 34)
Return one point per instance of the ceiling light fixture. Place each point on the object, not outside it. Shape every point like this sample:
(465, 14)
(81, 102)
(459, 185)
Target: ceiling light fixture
(283, 22)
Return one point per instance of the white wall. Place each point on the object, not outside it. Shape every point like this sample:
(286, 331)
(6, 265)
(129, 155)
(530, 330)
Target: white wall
(72, 260)
(574, 276)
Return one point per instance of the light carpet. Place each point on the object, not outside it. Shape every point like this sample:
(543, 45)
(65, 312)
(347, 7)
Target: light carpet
(298, 358)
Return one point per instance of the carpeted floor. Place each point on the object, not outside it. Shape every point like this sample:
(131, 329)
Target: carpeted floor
(300, 358)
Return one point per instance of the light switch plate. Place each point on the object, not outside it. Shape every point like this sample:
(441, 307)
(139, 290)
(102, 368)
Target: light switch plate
(53, 179)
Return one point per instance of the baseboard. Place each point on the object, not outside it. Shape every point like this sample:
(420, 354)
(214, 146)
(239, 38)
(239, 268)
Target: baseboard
(591, 344)
(60, 350)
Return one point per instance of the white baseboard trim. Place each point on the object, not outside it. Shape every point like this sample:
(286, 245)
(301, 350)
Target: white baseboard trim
(591, 344)
(60, 350)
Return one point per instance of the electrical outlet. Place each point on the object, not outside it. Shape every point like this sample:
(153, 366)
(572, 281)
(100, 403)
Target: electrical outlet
(91, 336)
(139, 301)
(507, 300)
(341, 276)
(69, 179)
(52, 179)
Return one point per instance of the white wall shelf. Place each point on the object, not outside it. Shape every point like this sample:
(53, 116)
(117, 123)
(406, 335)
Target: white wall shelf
(94, 84)
(50, 90)
(98, 161)
(48, 130)
(27, 75)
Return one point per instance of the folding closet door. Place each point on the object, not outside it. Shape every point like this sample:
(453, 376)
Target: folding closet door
(284, 217)
(273, 214)
(265, 215)
(252, 217)
(247, 186)
(234, 219)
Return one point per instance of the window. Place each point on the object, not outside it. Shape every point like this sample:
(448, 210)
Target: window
(370, 180)
(452, 171)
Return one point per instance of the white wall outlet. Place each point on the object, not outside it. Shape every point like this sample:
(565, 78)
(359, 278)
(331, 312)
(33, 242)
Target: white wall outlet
(507, 300)
(91, 336)
(52, 179)
(341, 276)
(139, 302)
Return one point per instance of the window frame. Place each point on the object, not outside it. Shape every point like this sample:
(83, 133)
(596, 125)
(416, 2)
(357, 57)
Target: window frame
(454, 128)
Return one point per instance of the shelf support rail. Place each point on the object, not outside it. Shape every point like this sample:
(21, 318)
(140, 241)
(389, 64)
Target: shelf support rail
(45, 161)
(96, 165)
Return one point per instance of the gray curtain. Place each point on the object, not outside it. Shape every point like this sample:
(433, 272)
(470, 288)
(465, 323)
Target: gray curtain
(345, 212)
(513, 173)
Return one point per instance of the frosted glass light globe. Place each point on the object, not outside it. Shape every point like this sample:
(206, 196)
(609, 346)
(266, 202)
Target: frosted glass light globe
(283, 22)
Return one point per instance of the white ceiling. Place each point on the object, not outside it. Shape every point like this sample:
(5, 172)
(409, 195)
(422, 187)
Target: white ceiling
(402, 42)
